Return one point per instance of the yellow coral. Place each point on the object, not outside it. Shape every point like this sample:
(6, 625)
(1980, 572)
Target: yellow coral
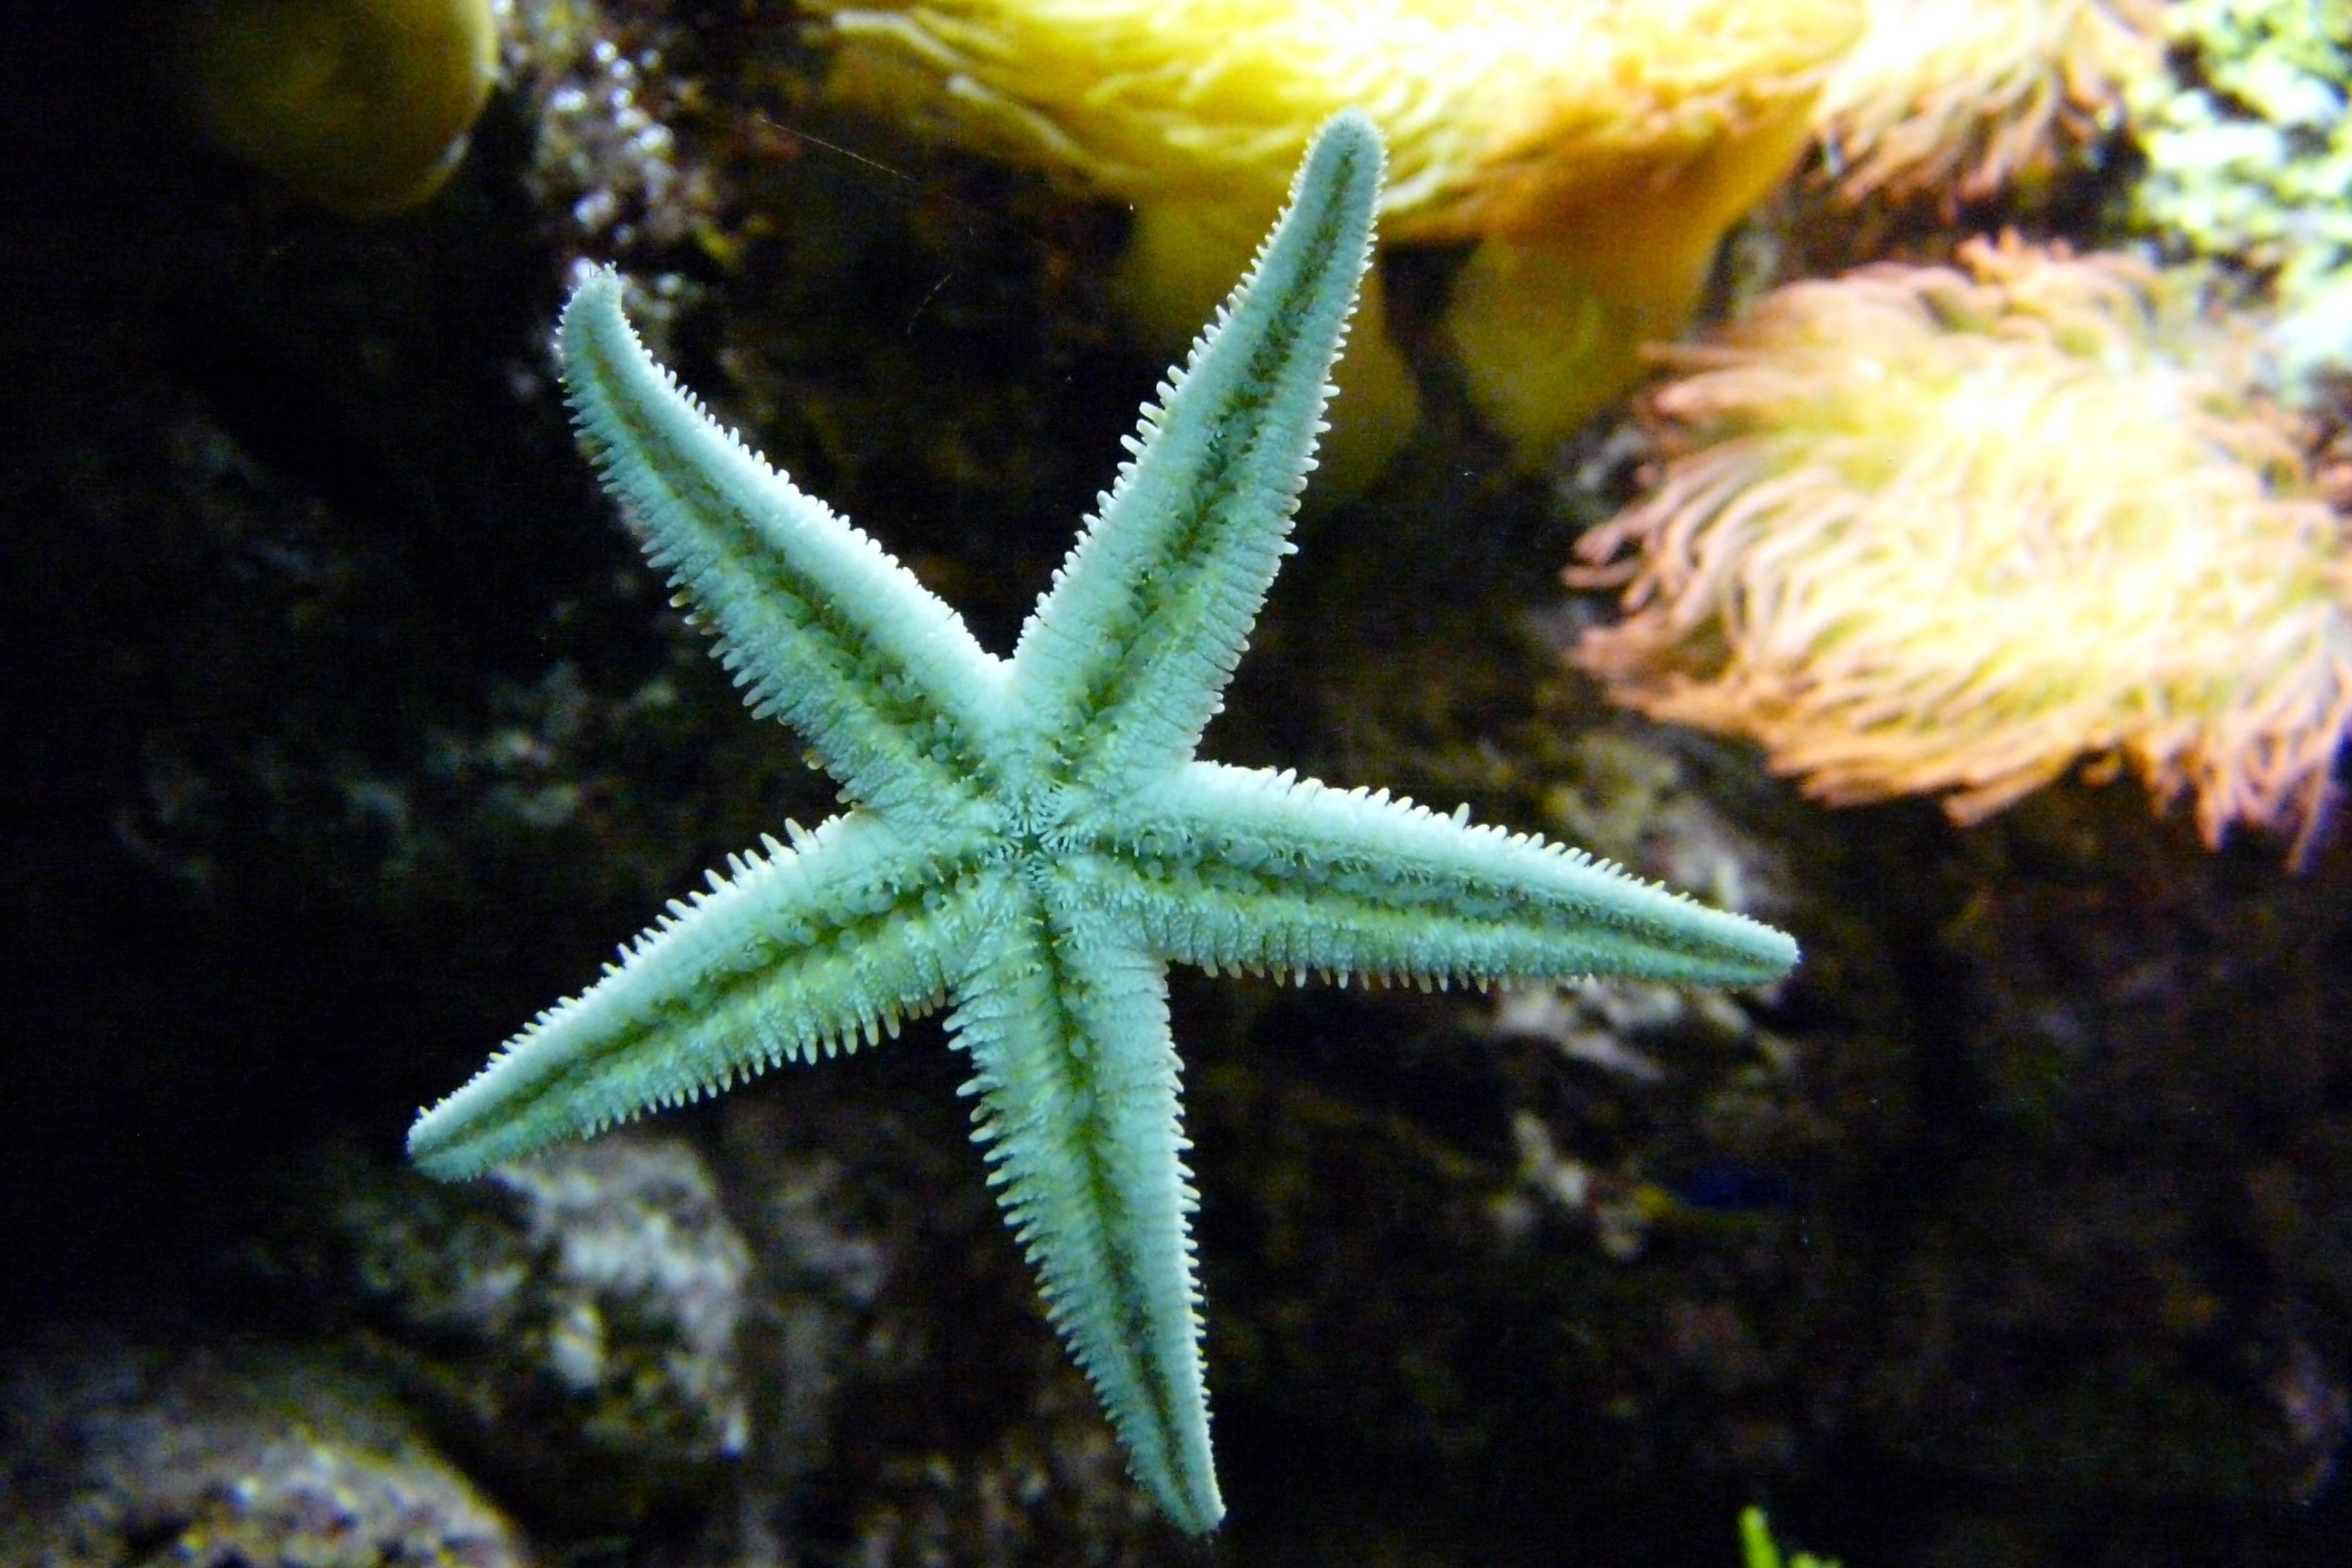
(1928, 531)
(1595, 150)
(1955, 98)
(360, 106)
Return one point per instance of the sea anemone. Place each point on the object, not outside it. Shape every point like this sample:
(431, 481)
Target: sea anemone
(1956, 101)
(359, 106)
(1593, 152)
(1921, 530)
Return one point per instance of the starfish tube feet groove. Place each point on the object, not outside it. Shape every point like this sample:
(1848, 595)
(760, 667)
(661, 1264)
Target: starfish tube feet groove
(1030, 841)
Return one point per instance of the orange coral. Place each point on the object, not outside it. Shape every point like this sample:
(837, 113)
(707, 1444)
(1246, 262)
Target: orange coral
(1594, 152)
(1922, 529)
(1958, 99)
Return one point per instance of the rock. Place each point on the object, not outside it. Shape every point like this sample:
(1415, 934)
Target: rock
(113, 1454)
(568, 1322)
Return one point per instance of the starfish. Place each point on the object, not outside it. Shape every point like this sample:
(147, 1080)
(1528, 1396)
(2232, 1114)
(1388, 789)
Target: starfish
(1031, 839)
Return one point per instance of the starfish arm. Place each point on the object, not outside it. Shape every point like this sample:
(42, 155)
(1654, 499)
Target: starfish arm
(794, 953)
(820, 625)
(1123, 663)
(1066, 1022)
(1241, 869)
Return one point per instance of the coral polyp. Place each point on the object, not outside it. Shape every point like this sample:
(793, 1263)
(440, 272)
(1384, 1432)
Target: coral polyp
(1922, 529)
(359, 106)
(1955, 101)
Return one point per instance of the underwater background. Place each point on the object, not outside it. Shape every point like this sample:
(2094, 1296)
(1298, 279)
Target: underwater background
(1983, 622)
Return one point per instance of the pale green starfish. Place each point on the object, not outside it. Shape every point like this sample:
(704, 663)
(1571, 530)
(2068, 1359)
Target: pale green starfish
(1033, 838)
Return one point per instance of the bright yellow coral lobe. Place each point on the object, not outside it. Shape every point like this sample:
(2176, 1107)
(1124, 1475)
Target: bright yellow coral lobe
(1497, 111)
(1595, 152)
(359, 106)
(1928, 531)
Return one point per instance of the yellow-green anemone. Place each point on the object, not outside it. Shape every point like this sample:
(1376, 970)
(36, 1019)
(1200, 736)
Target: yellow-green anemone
(360, 106)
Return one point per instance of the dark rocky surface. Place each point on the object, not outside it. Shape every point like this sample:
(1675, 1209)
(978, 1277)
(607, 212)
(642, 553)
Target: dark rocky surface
(111, 1454)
